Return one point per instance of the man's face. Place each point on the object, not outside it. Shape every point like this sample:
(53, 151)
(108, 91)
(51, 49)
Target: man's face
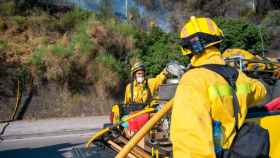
(139, 73)
(139, 76)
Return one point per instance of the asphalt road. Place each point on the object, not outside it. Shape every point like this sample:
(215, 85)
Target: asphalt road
(52, 138)
(43, 146)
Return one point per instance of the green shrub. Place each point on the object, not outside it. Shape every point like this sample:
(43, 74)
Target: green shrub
(61, 51)
(42, 22)
(114, 64)
(240, 33)
(3, 45)
(70, 19)
(272, 22)
(157, 48)
(38, 56)
(124, 28)
(82, 40)
(272, 19)
(3, 25)
(23, 73)
(7, 8)
(18, 20)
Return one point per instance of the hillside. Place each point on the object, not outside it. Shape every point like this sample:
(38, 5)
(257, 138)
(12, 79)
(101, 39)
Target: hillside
(72, 62)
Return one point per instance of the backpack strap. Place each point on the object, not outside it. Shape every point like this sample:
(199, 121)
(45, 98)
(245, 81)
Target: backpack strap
(230, 75)
(150, 97)
(132, 91)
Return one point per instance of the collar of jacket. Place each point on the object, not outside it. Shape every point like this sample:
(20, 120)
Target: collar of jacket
(135, 83)
(211, 55)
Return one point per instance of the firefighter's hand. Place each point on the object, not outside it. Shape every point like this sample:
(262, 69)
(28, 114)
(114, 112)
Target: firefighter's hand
(124, 125)
(175, 68)
(158, 107)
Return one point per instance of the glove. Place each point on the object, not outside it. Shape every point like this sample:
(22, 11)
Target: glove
(175, 68)
(158, 107)
(124, 125)
(274, 105)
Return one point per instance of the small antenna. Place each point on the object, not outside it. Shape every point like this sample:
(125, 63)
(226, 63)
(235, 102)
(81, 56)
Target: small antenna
(260, 34)
(126, 10)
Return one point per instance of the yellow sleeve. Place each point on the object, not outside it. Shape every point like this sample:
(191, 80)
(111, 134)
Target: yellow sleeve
(258, 92)
(191, 125)
(127, 97)
(154, 83)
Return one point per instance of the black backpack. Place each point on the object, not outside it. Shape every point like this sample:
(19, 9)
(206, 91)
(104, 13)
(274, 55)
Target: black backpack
(251, 140)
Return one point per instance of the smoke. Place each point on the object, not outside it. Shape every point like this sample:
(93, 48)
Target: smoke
(158, 14)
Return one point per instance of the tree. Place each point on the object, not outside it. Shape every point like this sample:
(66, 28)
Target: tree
(239, 33)
(157, 48)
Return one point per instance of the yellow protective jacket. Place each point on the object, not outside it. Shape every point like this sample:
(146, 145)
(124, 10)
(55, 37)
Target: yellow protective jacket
(202, 96)
(142, 93)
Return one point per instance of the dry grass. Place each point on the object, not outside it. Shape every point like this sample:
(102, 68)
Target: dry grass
(69, 79)
(65, 104)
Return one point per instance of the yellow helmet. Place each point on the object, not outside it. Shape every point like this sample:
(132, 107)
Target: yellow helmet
(232, 52)
(198, 34)
(137, 66)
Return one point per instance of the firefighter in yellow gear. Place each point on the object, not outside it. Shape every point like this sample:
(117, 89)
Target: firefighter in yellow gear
(251, 66)
(237, 52)
(143, 89)
(203, 95)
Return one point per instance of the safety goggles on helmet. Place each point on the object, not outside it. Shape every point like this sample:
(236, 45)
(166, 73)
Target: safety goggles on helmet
(197, 42)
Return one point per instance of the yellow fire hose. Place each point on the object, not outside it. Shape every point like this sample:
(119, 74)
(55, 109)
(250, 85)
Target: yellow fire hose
(107, 129)
(155, 152)
(12, 117)
(143, 131)
(18, 100)
(19, 95)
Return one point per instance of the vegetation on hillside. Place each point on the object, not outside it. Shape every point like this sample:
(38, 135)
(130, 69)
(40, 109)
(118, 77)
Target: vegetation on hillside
(79, 61)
